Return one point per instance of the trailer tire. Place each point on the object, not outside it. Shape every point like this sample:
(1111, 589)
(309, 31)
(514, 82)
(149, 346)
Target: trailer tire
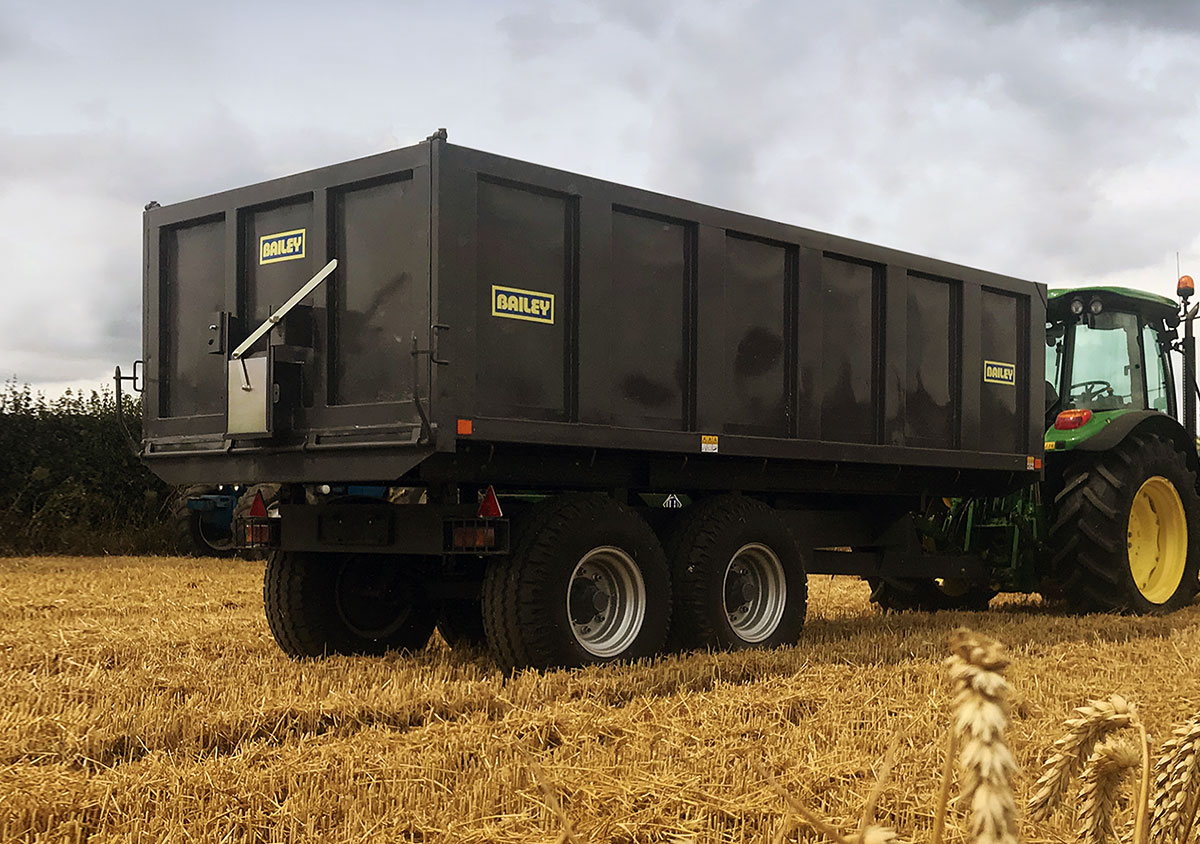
(188, 531)
(320, 604)
(733, 536)
(461, 624)
(540, 607)
(1126, 536)
(926, 594)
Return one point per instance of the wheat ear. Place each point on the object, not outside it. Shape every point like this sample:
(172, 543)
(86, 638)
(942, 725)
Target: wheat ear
(1101, 787)
(987, 767)
(1177, 784)
(1091, 724)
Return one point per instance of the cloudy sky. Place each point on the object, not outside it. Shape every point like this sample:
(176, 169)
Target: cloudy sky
(1057, 141)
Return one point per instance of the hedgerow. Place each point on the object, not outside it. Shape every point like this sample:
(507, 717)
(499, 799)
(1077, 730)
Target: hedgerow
(69, 480)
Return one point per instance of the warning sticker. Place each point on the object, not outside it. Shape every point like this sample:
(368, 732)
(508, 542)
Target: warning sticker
(709, 443)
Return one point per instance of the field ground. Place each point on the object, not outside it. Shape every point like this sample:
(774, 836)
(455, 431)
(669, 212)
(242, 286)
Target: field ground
(143, 699)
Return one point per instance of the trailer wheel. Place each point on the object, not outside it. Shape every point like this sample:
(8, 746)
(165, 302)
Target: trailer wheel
(1126, 536)
(193, 535)
(322, 604)
(586, 583)
(923, 594)
(738, 575)
(461, 624)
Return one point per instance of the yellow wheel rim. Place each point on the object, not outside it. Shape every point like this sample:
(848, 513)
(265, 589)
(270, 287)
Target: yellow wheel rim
(1157, 540)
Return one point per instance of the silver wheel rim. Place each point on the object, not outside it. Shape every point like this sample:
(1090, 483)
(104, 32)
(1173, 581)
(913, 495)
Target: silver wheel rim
(755, 592)
(606, 601)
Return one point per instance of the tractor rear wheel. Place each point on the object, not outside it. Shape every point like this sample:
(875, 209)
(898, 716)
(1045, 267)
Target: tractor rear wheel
(320, 604)
(586, 583)
(1126, 536)
(195, 532)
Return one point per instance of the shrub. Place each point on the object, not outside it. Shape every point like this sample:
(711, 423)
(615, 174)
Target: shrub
(69, 480)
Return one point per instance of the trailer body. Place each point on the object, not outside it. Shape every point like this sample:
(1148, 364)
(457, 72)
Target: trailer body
(495, 321)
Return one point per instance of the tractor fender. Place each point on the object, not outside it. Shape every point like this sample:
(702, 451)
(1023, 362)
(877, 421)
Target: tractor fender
(1144, 421)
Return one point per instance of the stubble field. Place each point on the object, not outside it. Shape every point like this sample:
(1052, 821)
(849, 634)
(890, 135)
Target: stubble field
(143, 699)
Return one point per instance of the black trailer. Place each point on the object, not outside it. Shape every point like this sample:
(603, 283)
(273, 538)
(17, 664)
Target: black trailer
(589, 351)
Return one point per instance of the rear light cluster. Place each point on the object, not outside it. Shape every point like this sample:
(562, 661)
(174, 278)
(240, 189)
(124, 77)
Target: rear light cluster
(477, 536)
(259, 533)
(1069, 420)
(470, 538)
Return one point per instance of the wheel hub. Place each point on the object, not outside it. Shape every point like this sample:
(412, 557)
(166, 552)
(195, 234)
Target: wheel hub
(587, 601)
(1157, 539)
(755, 592)
(606, 601)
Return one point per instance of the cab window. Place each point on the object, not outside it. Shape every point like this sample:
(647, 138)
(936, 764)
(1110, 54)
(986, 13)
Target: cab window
(1157, 384)
(1106, 364)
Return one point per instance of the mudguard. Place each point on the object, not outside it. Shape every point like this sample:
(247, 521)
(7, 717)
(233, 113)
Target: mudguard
(1149, 421)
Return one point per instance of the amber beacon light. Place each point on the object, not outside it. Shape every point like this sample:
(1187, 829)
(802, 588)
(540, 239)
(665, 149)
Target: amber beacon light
(1185, 288)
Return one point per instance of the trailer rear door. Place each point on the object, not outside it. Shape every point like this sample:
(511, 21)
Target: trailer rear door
(234, 258)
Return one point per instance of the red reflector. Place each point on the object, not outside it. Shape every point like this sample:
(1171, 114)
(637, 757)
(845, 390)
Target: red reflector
(1070, 419)
(465, 427)
(489, 507)
(1037, 463)
(258, 510)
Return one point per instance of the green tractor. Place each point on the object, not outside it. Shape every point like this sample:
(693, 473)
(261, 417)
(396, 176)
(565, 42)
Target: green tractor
(1115, 523)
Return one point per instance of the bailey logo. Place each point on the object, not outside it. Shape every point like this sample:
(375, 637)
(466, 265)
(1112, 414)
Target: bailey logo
(284, 246)
(996, 372)
(529, 305)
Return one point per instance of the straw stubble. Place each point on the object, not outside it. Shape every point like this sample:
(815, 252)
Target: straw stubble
(143, 699)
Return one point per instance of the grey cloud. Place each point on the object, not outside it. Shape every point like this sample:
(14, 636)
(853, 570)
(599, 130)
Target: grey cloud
(647, 19)
(991, 147)
(1164, 15)
(534, 33)
(128, 170)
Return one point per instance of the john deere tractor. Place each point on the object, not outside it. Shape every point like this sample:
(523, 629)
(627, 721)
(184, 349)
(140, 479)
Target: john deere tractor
(1115, 524)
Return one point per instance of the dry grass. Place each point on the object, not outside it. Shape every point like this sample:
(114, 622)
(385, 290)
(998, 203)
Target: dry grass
(144, 700)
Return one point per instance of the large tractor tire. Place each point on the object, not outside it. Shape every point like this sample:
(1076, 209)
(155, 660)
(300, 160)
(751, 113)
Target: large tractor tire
(193, 535)
(323, 604)
(586, 583)
(1126, 536)
(927, 594)
(738, 577)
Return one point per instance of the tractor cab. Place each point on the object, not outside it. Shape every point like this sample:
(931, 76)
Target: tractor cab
(1108, 353)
